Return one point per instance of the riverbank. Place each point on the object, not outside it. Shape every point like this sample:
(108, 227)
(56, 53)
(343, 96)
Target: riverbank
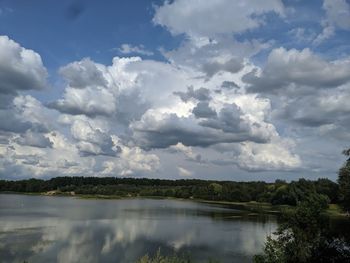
(333, 211)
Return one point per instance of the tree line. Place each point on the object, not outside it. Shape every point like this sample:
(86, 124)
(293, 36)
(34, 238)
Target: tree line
(278, 193)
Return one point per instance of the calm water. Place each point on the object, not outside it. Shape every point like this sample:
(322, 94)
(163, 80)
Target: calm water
(64, 229)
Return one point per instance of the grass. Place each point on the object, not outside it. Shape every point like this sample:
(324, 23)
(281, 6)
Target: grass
(335, 210)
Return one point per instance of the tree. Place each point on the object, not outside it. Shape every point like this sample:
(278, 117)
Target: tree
(301, 233)
(344, 183)
(329, 188)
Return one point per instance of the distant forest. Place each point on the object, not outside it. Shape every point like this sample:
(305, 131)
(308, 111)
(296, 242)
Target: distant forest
(277, 193)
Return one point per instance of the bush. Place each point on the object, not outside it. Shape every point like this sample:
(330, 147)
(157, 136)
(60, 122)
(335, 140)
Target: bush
(158, 258)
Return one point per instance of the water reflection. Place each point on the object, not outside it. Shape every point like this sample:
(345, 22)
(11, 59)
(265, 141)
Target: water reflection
(59, 229)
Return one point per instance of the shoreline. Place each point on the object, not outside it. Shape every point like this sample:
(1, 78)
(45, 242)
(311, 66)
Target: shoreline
(333, 211)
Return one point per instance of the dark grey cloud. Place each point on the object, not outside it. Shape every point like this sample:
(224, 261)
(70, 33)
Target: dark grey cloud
(228, 120)
(103, 147)
(63, 107)
(34, 139)
(10, 122)
(172, 129)
(130, 107)
(201, 94)
(29, 159)
(293, 70)
(82, 74)
(229, 85)
(233, 65)
(6, 101)
(202, 110)
(4, 140)
(321, 108)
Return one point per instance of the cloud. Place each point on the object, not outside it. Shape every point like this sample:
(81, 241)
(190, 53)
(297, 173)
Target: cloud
(276, 155)
(233, 65)
(127, 87)
(322, 108)
(63, 163)
(191, 17)
(272, 156)
(187, 151)
(201, 94)
(82, 74)
(22, 161)
(184, 172)
(92, 140)
(32, 110)
(90, 101)
(214, 56)
(34, 140)
(91, 90)
(161, 130)
(131, 161)
(11, 122)
(129, 49)
(302, 35)
(202, 110)
(20, 68)
(293, 69)
(337, 17)
(229, 85)
(326, 33)
(337, 13)
(229, 119)
(24, 113)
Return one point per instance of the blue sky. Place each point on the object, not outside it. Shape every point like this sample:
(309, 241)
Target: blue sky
(62, 31)
(237, 90)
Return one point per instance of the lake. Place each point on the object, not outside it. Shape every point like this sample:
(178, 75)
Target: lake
(67, 229)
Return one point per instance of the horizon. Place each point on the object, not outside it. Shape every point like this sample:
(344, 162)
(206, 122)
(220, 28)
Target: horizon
(174, 179)
(171, 90)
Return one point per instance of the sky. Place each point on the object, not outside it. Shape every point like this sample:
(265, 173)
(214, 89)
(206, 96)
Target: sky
(223, 90)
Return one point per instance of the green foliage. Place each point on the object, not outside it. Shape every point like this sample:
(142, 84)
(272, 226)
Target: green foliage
(344, 183)
(298, 236)
(273, 252)
(158, 258)
(295, 192)
(304, 236)
(329, 188)
(215, 188)
(278, 193)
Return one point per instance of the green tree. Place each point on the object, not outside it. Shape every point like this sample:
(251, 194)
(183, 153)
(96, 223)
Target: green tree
(344, 183)
(158, 258)
(299, 235)
(215, 188)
